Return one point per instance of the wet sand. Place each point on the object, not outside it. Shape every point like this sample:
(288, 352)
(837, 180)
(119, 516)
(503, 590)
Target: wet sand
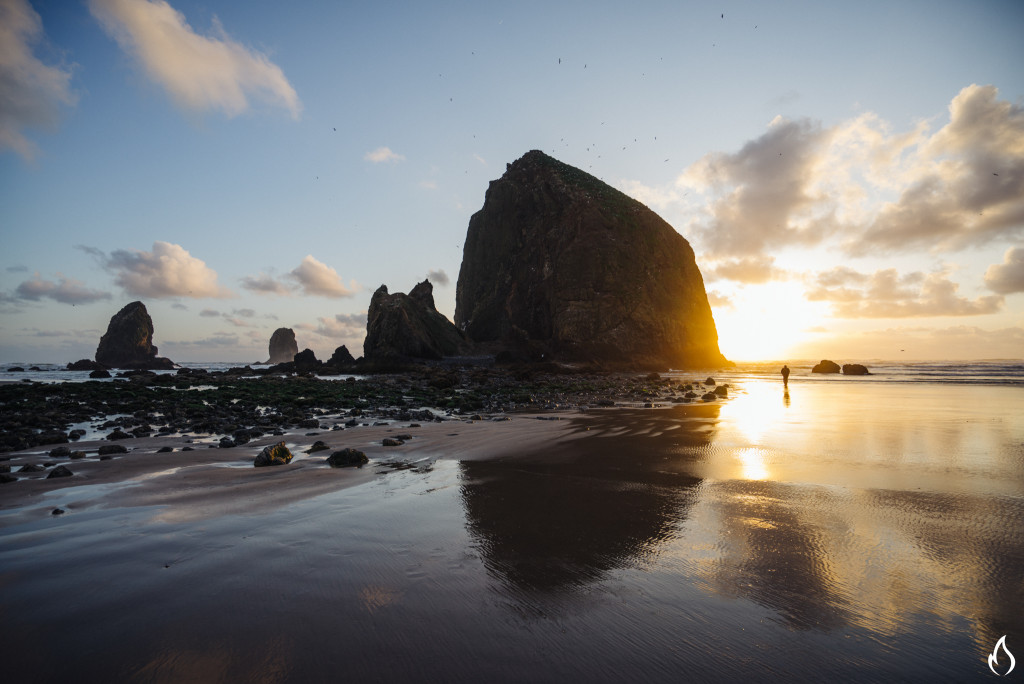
(848, 532)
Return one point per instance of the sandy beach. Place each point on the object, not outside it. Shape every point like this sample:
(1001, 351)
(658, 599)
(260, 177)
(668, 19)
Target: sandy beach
(841, 531)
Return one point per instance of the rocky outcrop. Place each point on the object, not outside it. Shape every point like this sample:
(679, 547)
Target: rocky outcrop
(409, 326)
(128, 342)
(283, 346)
(855, 369)
(85, 365)
(341, 357)
(826, 366)
(559, 263)
(306, 361)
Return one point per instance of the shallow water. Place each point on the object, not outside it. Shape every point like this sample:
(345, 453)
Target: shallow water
(847, 531)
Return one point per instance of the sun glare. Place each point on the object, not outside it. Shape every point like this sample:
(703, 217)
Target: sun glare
(765, 322)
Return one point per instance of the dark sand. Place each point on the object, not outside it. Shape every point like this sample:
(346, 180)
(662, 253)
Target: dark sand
(847, 532)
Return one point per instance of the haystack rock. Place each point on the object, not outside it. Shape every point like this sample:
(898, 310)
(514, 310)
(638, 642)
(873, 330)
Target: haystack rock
(408, 326)
(561, 263)
(128, 342)
(283, 346)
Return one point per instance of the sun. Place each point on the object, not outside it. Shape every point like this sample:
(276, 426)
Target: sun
(766, 321)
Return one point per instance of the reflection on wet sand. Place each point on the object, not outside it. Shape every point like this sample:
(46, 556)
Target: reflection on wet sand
(609, 499)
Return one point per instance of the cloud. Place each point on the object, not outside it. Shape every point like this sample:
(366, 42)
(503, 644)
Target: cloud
(1007, 277)
(342, 325)
(266, 284)
(64, 291)
(317, 278)
(876, 189)
(17, 269)
(209, 313)
(168, 271)
(970, 183)
(720, 301)
(32, 94)
(438, 277)
(747, 270)
(763, 196)
(886, 294)
(179, 306)
(200, 73)
(382, 154)
(217, 340)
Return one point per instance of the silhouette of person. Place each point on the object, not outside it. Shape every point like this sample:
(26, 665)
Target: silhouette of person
(785, 376)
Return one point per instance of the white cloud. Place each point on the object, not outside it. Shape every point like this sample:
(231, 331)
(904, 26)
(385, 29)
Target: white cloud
(31, 93)
(886, 294)
(64, 291)
(878, 190)
(200, 72)
(382, 154)
(210, 313)
(1007, 277)
(168, 271)
(317, 278)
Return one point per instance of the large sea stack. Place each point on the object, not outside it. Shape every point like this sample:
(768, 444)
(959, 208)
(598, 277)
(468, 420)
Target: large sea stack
(283, 346)
(409, 326)
(128, 342)
(561, 264)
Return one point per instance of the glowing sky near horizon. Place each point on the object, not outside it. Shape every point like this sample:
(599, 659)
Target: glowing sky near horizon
(851, 177)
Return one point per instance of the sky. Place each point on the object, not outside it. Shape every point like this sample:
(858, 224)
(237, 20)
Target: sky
(850, 175)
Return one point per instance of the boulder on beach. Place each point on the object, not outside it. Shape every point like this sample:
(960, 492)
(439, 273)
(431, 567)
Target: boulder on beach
(283, 346)
(347, 458)
(826, 366)
(408, 326)
(559, 264)
(275, 454)
(128, 342)
(855, 369)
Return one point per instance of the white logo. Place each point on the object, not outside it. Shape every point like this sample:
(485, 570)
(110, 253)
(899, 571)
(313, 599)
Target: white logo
(994, 658)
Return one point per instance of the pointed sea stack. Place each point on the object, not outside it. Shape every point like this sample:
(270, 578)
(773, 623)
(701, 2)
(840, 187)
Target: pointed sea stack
(558, 262)
(128, 342)
(407, 326)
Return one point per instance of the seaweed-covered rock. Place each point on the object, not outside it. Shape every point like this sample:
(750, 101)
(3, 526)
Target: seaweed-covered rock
(403, 325)
(85, 365)
(108, 449)
(275, 454)
(283, 346)
(347, 458)
(128, 342)
(557, 260)
(826, 366)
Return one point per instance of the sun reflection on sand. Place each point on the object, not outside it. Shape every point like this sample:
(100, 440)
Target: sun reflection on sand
(752, 463)
(755, 409)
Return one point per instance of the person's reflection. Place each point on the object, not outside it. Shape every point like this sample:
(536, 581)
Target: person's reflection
(785, 398)
(552, 522)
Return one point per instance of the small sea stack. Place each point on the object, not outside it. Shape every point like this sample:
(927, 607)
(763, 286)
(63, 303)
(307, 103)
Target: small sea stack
(128, 342)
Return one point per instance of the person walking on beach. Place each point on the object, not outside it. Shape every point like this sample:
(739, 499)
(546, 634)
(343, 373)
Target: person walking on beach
(785, 375)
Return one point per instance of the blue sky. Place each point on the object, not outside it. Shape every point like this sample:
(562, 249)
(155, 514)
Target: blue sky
(851, 176)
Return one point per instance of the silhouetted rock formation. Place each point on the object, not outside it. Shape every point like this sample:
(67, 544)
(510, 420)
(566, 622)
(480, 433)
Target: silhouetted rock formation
(128, 342)
(557, 262)
(85, 365)
(341, 357)
(408, 326)
(306, 361)
(825, 366)
(283, 346)
(855, 369)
